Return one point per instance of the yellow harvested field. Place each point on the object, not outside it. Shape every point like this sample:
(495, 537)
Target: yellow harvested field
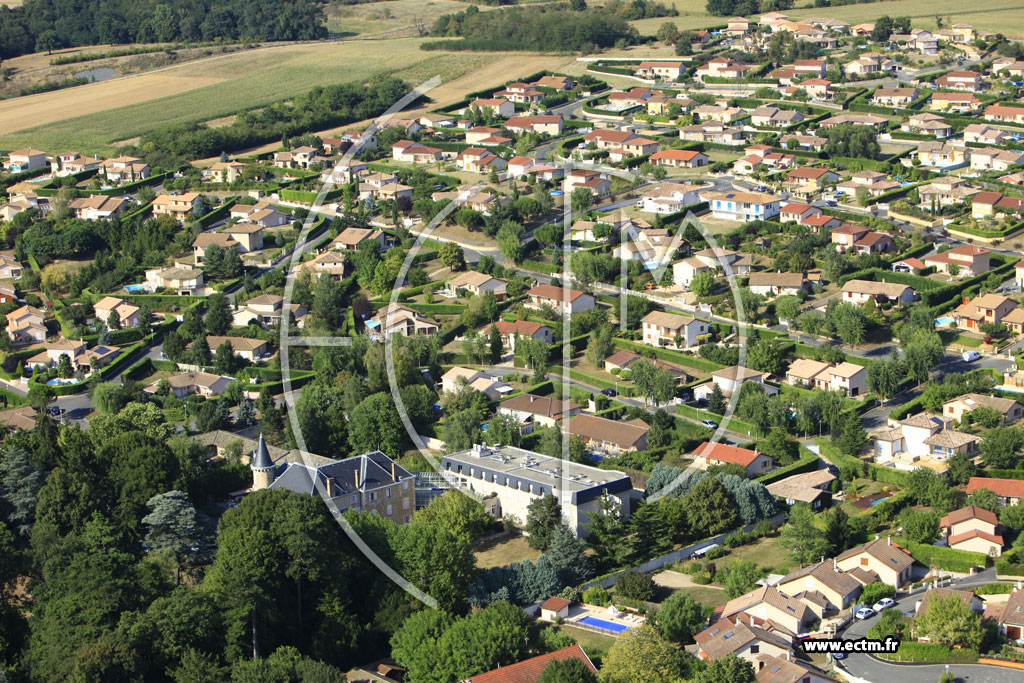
(45, 108)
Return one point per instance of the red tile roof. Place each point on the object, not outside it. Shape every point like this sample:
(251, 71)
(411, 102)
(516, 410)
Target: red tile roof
(1007, 488)
(974, 533)
(529, 670)
(555, 604)
(726, 453)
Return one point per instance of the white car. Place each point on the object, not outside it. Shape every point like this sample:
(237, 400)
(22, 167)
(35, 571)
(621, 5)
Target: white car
(884, 603)
(710, 424)
(970, 356)
(864, 613)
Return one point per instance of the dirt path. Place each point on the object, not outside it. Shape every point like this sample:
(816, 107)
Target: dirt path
(671, 579)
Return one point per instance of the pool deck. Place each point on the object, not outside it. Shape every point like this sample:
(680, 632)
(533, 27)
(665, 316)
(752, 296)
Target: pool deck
(583, 610)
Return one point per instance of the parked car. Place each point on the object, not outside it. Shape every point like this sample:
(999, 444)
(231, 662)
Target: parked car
(970, 356)
(610, 393)
(884, 603)
(864, 613)
(838, 655)
(710, 424)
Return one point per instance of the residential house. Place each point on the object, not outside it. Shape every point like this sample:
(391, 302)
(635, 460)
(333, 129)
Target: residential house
(808, 180)
(731, 379)
(809, 143)
(889, 560)
(927, 123)
(860, 240)
(718, 112)
(10, 268)
(455, 379)
(550, 124)
(737, 26)
(82, 359)
(300, 157)
(776, 284)
(205, 240)
(556, 82)
(666, 198)
(985, 135)
(350, 239)
(653, 247)
(602, 435)
(564, 301)
(395, 318)
(666, 70)
(662, 329)
(968, 81)
(717, 453)
(679, 158)
(818, 89)
(973, 529)
(854, 119)
(25, 325)
(968, 259)
(711, 260)
(531, 410)
(774, 669)
(486, 136)
(797, 212)
(523, 93)
(918, 40)
(414, 152)
(595, 181)
(988, 308)
(810, 487)
(477, 283)
(773, 117)
(623, 360)
(938, 154)
(204, 384)
(893, 97)
(530, 670)
(995, 159)
(742, 206)
(822, 587)
(246, 348)
(498, 106)
(874, 182)
(713, 131)
(1002, 112)
(371, 482)
(768, 605)
(183, 281)
(510, 331)
(847, 377)
(733, 636)
(97, 206)
(479, 160)
(24, 160)
(223, 172)
(963, 103)
(127, 313)
(860, 291)
(945, 191)
(124, 169)
(723, 67)
(267, 310)
(1009, 491)
(249, 236)
(180, 206)
(70, 163)
(621, 143)
(329, 263)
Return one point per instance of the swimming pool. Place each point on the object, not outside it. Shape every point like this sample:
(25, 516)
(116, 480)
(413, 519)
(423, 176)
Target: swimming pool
(606, 625)
(59, 381)
(134, 288)
(943, 321)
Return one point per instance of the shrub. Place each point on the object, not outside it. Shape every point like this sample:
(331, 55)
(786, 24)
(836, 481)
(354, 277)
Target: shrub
(701, 578)
(635, 586)
(876, 591)
(597, 596)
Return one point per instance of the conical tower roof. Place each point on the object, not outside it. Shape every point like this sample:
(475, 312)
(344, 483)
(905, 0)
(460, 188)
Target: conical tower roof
(261, 458)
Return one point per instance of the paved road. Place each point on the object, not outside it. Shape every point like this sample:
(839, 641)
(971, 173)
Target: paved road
(877, 671)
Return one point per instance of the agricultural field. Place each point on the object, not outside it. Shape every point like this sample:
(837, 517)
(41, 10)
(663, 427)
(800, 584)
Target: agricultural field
(119, 109)
(378, 17)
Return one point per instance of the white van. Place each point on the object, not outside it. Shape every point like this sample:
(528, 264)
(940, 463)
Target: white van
(970, 356)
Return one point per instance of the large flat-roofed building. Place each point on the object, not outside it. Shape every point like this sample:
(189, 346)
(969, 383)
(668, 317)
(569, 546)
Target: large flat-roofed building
(519, 477)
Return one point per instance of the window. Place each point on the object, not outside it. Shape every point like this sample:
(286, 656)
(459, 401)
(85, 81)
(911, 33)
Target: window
(389, 510)
(405, 484)
(352, 500)
(755, 649)
(387, 493)
(373, 495)
(863, 561)
(407, 519)
(405, 503)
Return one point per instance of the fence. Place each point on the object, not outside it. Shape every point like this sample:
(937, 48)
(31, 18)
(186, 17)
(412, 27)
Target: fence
(608, 580)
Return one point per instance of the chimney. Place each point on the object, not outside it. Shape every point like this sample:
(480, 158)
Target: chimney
(835, 565)
(330, 487)
(356, 474)
(394, 477)
(888, 540)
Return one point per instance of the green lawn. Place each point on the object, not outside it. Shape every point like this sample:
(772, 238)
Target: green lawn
(767, 552)
(503, 552)
(590, 642)
(710, 597)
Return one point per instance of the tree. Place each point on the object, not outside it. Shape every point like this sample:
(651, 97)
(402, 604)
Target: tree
(567, 555)
(885, 377)
(581, 199)
(505, 430)
(702, 284)
(984, 498)
(64, 368)
(497, 346)
(435, 560)
(224, 358)
(803, 536)
(376, 425)
(922, 352)
(668, 32)
(1002, 446)
(20, 483)
(710, 507)
(853, 438)
(635, 585)
(642, 655)
(716, 401)
(920, 526)
(457, 513)
(40, 395)
(108, 398)
(567, 671)
(728, 669)
(543, 517)
(48, 40)
(765, 356)
(246, 414)
(199, 352)
(510, 241)
(951, 621)
(600, 345)
(461, 430)
(174, 528)
(607, 534)
(679, 618)
(451, 255)
(837, 530)
(961, 469)
(218, 314)
(741, 578)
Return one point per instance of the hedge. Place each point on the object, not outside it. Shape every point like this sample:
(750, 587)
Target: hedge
(677, 216)
(886, 475)
(217, 214)
(912, 651)
(949, 559)
(735, 424)
(807, 462)
(677, 357)
(600, 382)
(898, 193)
(131, 188)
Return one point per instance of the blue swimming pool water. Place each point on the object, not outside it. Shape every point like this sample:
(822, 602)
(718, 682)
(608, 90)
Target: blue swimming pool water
(135, 288)
(880, 500)
(58, 381)
(607, 625)
(943, 321)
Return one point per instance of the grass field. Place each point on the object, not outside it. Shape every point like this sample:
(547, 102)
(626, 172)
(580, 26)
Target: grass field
(126, 107)
(767, 552)
(504, 552)
(377, 17)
